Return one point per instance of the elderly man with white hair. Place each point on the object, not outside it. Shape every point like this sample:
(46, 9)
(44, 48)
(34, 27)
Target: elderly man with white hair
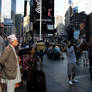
(10, 72)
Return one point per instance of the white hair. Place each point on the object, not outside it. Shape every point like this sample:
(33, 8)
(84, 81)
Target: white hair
(11, 38)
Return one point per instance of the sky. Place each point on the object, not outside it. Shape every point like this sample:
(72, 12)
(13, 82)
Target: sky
(20, 6)
(59, 7)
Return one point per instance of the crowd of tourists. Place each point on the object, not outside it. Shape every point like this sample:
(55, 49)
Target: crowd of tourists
(22, 63)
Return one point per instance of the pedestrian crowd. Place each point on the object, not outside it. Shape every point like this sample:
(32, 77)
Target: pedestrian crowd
(31, 56)
(12, 74)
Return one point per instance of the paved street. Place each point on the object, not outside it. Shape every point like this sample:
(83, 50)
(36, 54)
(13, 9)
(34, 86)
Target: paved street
(56, 77)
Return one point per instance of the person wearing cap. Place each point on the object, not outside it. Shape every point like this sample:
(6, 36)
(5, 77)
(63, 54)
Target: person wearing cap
(10, 73)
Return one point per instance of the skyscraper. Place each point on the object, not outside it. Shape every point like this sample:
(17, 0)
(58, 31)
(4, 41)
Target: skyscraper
(13, 6)
(7, 9)
(13, 9)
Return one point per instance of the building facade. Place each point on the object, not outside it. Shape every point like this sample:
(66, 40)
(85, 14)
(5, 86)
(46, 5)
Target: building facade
(26, 15)
(26, 24)
(59, 24)
(13, 9)
(68, 15)
(8, 11)
(58, 19)
(13, 6)
(47, 16)
(5, 9)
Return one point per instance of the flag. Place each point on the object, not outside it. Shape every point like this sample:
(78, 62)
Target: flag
(70, 2)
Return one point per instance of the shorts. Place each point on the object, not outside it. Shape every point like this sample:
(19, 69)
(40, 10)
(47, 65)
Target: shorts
(71, 68)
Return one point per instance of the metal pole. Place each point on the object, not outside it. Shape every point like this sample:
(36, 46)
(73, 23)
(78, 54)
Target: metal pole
(40, 20)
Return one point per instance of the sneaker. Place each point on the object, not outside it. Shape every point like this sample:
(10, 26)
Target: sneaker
(70, 82)
(75, 81)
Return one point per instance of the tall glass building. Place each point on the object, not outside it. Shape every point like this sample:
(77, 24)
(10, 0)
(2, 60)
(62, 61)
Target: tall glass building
(13, 5)
(13, 9)
(7, 9)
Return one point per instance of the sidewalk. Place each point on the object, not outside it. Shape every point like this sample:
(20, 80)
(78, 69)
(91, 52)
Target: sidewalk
(56, 77)
(57, 81)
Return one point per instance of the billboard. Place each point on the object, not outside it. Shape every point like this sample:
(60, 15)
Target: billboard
(47, 9)
(47, 15)
(75, 9)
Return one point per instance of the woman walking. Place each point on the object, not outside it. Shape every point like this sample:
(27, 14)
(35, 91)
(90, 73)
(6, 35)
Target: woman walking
(71, 65)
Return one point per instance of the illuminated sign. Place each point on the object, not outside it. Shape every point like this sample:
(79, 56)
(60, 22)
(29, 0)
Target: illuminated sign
(50, 27)
(37, 9)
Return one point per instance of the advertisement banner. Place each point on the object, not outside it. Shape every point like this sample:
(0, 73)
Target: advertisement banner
(76, 34)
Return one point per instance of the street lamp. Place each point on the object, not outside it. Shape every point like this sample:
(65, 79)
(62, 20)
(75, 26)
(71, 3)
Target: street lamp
(40, 34)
